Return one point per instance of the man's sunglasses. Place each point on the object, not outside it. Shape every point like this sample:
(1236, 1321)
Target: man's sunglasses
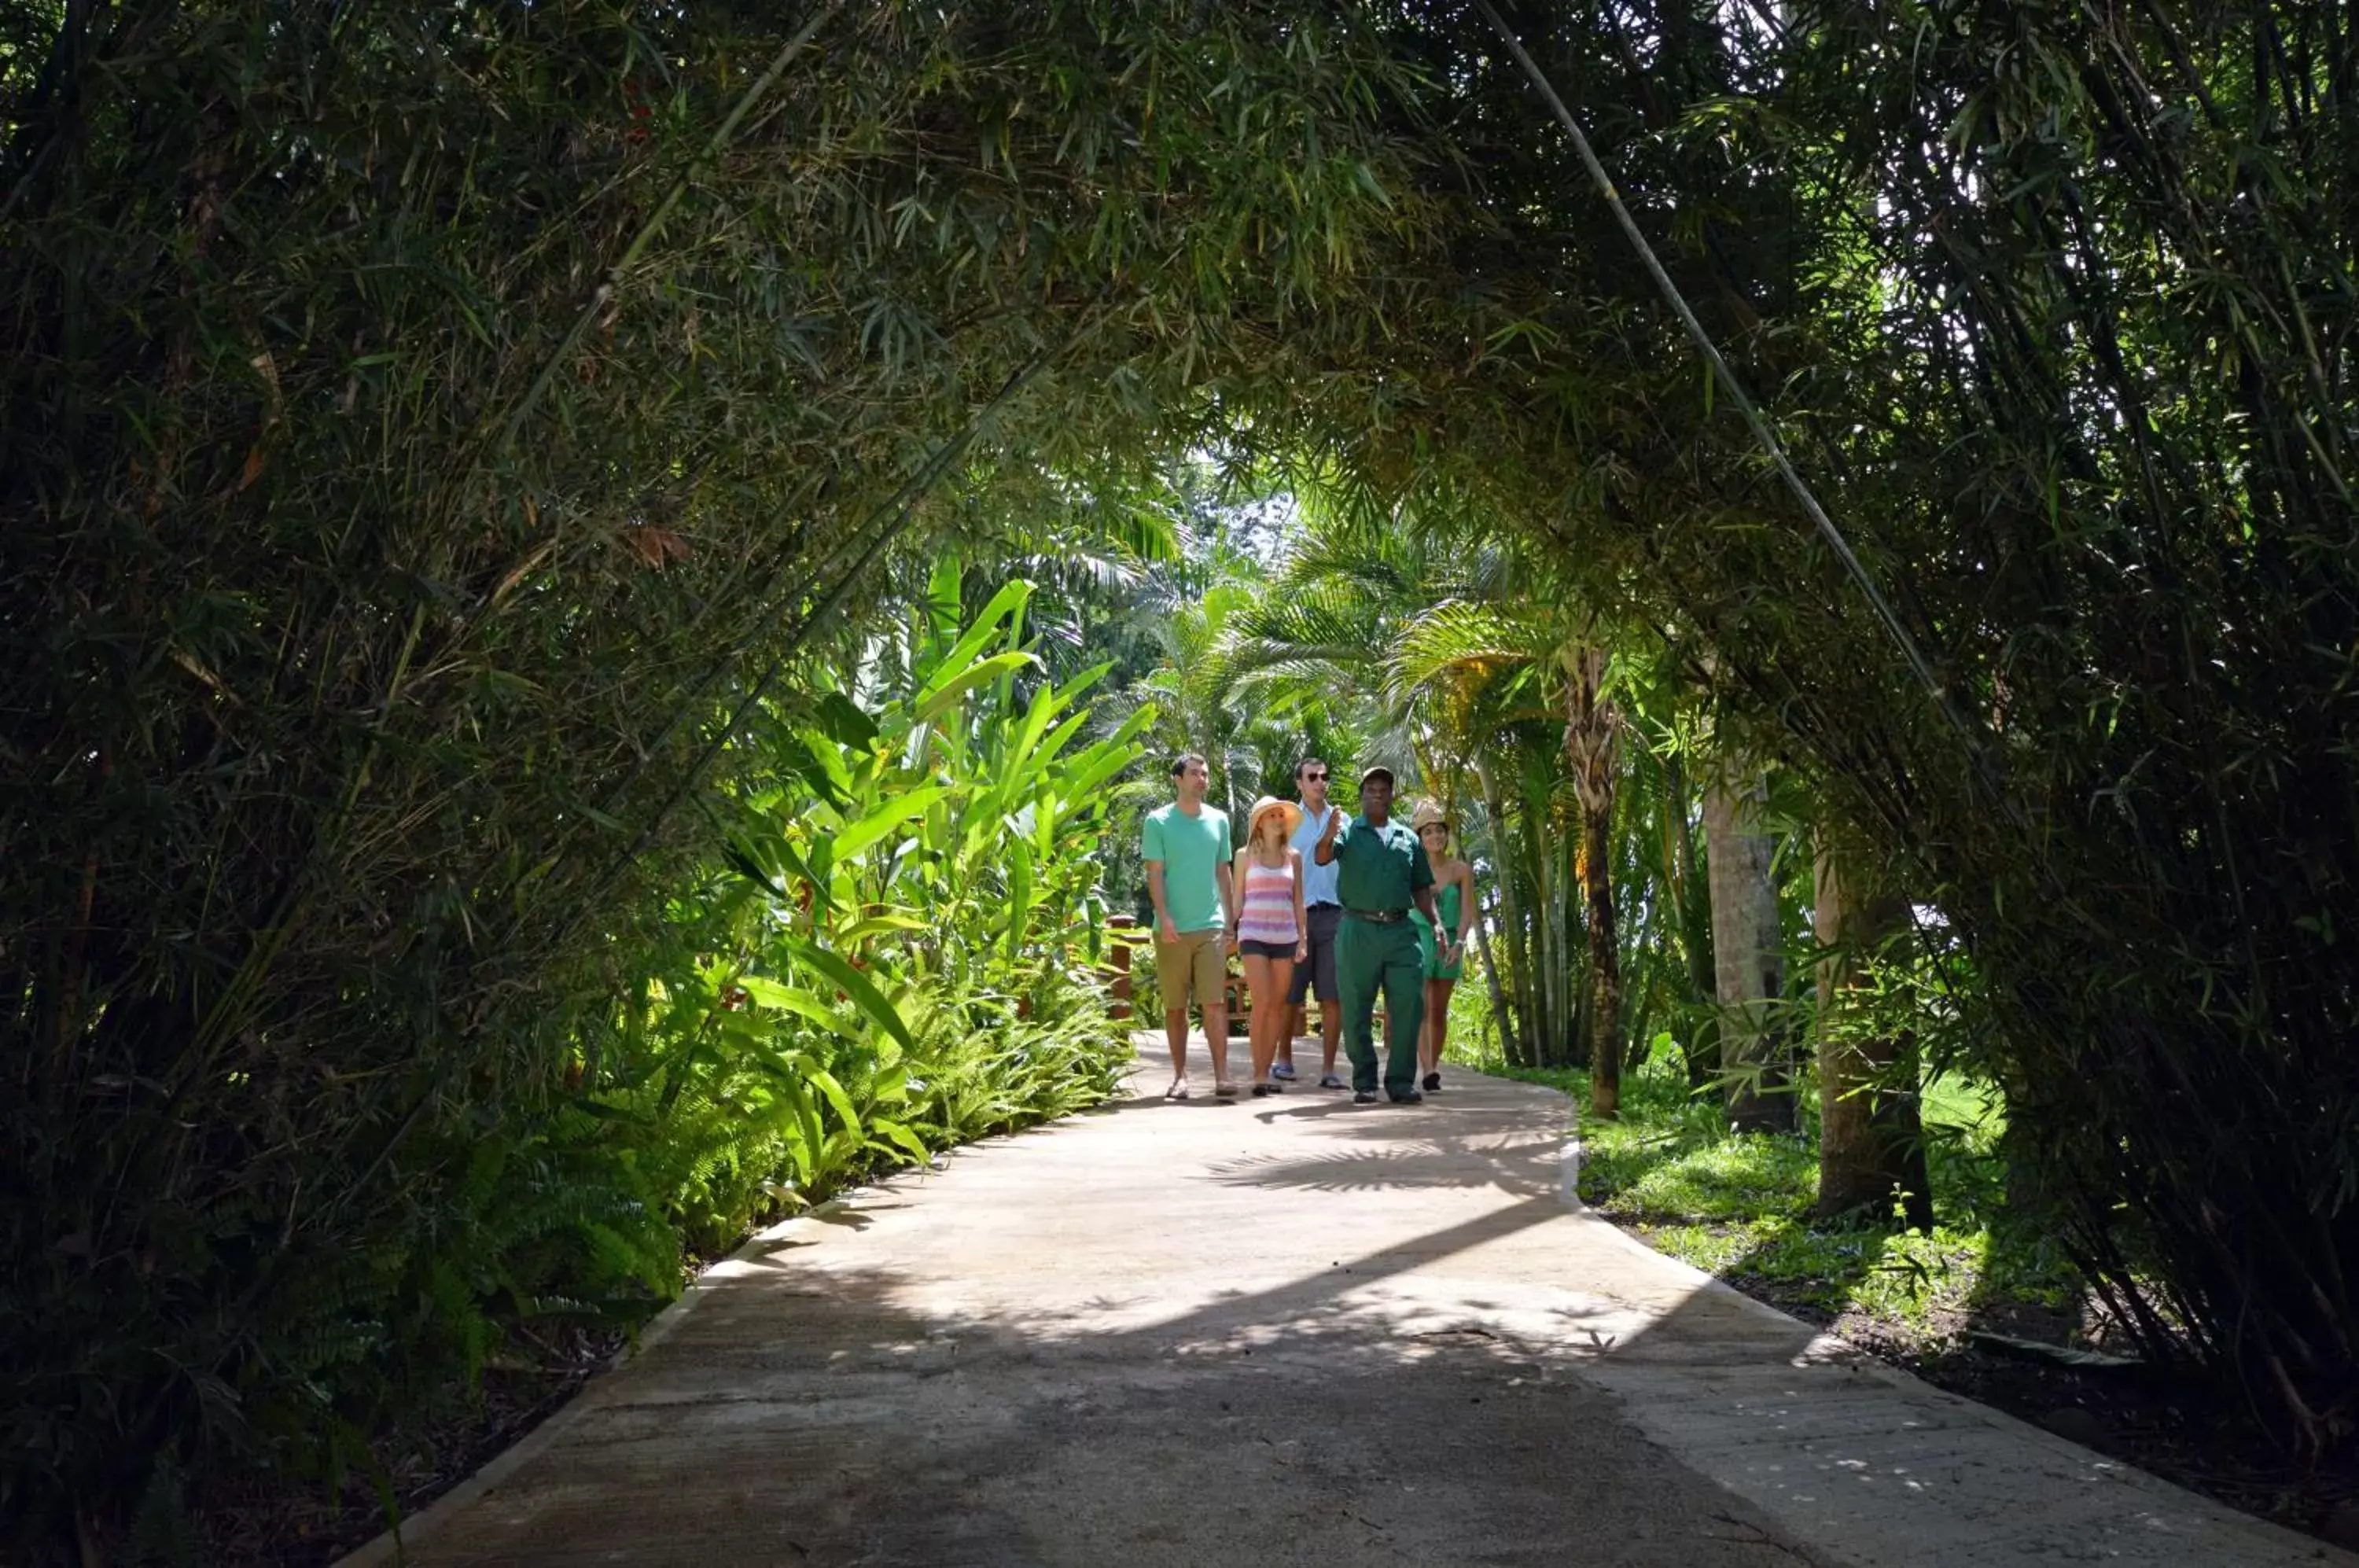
(1314, 776)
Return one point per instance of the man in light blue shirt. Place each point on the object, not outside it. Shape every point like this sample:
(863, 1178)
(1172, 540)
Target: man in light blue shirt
(1325, 912)
(1186, 849)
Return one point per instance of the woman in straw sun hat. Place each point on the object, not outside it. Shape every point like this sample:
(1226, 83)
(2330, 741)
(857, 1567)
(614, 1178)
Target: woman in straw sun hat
(1442, 944)
(1270, 931)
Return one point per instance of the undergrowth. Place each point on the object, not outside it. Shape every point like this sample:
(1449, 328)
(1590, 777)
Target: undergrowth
(1739, 1207)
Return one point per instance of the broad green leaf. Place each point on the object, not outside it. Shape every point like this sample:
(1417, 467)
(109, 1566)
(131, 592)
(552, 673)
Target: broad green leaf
(845, 722)
(788, 1077)
(788, 998)
(877, 925)
(800, 758)
(1093, 767)
(947, 695)
(858, 835)
(1020, 894)
(1058, 738)
(1012, 763)
(828, 757)
(900, 1138)
(859, 988)
(943, 585)
(953, 664)
(825, 1082)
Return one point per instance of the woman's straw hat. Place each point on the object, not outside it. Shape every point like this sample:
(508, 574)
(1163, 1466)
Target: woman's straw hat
(1287, 809)
(1426, 815)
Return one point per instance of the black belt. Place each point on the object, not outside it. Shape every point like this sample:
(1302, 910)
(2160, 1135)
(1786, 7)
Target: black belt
(1381, 917)
(1323, 904)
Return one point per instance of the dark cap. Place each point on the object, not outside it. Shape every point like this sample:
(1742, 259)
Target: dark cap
(1368, 773)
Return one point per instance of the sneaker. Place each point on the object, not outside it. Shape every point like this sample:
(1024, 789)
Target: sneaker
(1283, 1072)
(1363, 1097)
(1432, 1083)
(1329, 1081)
(1411, 1098)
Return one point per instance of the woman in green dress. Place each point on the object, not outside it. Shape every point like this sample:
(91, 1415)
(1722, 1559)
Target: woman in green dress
(1444, 951)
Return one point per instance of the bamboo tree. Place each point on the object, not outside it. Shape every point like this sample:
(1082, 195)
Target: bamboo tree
(1871, 1141)
(1748, 956)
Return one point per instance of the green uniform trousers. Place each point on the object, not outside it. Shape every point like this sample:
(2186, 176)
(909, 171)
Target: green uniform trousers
(1370, 954)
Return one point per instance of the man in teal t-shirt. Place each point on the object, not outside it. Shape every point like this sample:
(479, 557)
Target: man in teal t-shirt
(1382, 873)
(1186, 847)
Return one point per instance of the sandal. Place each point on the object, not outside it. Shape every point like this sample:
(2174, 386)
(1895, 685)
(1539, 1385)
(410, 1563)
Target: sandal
(1177, 1092)
(1262, 1089)
(1224, 1091)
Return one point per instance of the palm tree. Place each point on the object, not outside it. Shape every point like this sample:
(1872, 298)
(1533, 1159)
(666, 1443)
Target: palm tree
(1593, 724)
(1438, 626)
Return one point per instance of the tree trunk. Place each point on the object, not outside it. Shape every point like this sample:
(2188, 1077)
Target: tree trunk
(1748, 959)
(1516, 931)
(1547, 941)
(1591, 726)
(1691, 902)
(1510, 1045)
(1871, 1141)
(1572, 999)
(1515, 1022)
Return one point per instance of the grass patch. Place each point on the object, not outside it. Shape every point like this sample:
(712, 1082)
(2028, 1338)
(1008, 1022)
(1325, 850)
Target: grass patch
(1739, 1207)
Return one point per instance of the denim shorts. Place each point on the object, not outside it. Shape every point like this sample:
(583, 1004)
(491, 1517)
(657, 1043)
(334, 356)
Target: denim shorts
(1318, 976)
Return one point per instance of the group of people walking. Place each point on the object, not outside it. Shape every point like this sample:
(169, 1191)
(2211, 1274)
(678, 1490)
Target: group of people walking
(1317, 903)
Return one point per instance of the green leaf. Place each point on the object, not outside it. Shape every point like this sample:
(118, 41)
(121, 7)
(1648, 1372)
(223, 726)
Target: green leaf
(947, 695)
(859, 988)
(954, 663)
(868, 830)
(1082, 778)
(786, 998)
(798, 756)
(845, 722)
(788, 1075)
(1020, 896)
(900, 1138)
(825, 1082)
(877, 925)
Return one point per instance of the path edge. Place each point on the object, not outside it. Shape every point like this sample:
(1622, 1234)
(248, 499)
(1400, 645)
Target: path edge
(391, 1545)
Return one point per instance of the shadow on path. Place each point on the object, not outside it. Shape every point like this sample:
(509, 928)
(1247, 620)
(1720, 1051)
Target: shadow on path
(1314, 1333)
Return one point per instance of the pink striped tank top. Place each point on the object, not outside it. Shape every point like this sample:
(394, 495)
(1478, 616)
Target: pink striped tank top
(1268, 913)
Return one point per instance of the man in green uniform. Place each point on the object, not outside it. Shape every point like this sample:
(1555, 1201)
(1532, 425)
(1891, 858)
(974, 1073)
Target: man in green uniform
(1382, 873)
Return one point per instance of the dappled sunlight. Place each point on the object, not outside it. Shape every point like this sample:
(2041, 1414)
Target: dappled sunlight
(1403, 1302)
(1516, 1163)
(1071, 1331)
(1727, 1178)
(1483, 1275)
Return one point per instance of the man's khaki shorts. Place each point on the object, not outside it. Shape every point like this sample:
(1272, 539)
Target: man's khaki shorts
(1193, 968)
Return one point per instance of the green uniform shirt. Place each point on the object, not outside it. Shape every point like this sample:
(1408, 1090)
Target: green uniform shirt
(1379, 868)
(1193, 849)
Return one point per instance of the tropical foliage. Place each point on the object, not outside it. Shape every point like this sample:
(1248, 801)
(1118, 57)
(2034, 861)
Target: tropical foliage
(452, 456)
(902, 952)
(896, 947)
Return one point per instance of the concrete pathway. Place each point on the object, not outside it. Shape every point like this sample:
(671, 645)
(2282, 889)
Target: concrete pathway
(1284, 1331)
